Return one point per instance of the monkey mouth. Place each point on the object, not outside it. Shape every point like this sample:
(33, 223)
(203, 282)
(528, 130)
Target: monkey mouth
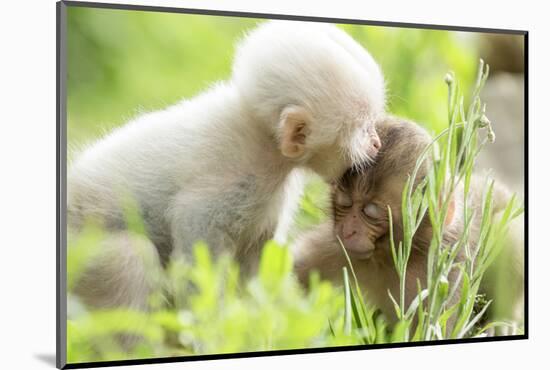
(360, 255)
(357, 249)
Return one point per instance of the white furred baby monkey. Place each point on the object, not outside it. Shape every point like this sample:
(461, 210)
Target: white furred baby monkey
(223, 167)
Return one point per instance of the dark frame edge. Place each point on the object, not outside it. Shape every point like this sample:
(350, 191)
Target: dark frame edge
(302, 351)
(61, 172)
(290, 17)
(526, 184)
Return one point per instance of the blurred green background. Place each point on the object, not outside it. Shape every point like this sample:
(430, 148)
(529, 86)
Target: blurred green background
(123, 62)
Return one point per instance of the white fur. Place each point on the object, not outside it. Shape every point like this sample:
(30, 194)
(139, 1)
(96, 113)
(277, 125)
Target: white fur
(210, 168)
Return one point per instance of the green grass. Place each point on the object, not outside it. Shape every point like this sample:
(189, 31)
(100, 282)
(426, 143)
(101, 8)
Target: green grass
(216, 313)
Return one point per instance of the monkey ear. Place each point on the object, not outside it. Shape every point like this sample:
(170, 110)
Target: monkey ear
(450, 212)
(295, 126)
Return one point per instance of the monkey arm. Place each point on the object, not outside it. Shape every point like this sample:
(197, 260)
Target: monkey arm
(318, 250)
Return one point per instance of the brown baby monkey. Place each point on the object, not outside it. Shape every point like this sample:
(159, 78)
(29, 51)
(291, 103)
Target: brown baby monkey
(360, 221)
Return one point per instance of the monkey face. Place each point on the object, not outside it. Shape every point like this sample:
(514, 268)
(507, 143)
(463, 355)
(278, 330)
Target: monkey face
(357, 147)
(362, 196)
(330, 162)
(361, 219)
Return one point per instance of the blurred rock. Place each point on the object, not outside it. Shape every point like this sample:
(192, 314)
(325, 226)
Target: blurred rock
(504, 95)
(504, 53)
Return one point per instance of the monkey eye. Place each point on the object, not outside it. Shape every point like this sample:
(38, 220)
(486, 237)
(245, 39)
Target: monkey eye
(373, 211)
(343, 200)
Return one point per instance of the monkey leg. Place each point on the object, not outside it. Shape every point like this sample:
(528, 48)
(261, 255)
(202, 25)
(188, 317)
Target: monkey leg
(122, 274)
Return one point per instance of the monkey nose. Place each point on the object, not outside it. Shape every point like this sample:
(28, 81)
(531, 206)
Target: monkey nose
(376, 144)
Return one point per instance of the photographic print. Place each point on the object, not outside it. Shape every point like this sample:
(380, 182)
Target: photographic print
(235, 184)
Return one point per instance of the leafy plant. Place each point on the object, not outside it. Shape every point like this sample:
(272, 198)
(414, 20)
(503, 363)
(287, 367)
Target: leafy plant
(452, 153)
(216, 312)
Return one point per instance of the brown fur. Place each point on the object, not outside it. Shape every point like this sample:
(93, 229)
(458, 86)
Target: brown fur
(369, 243)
